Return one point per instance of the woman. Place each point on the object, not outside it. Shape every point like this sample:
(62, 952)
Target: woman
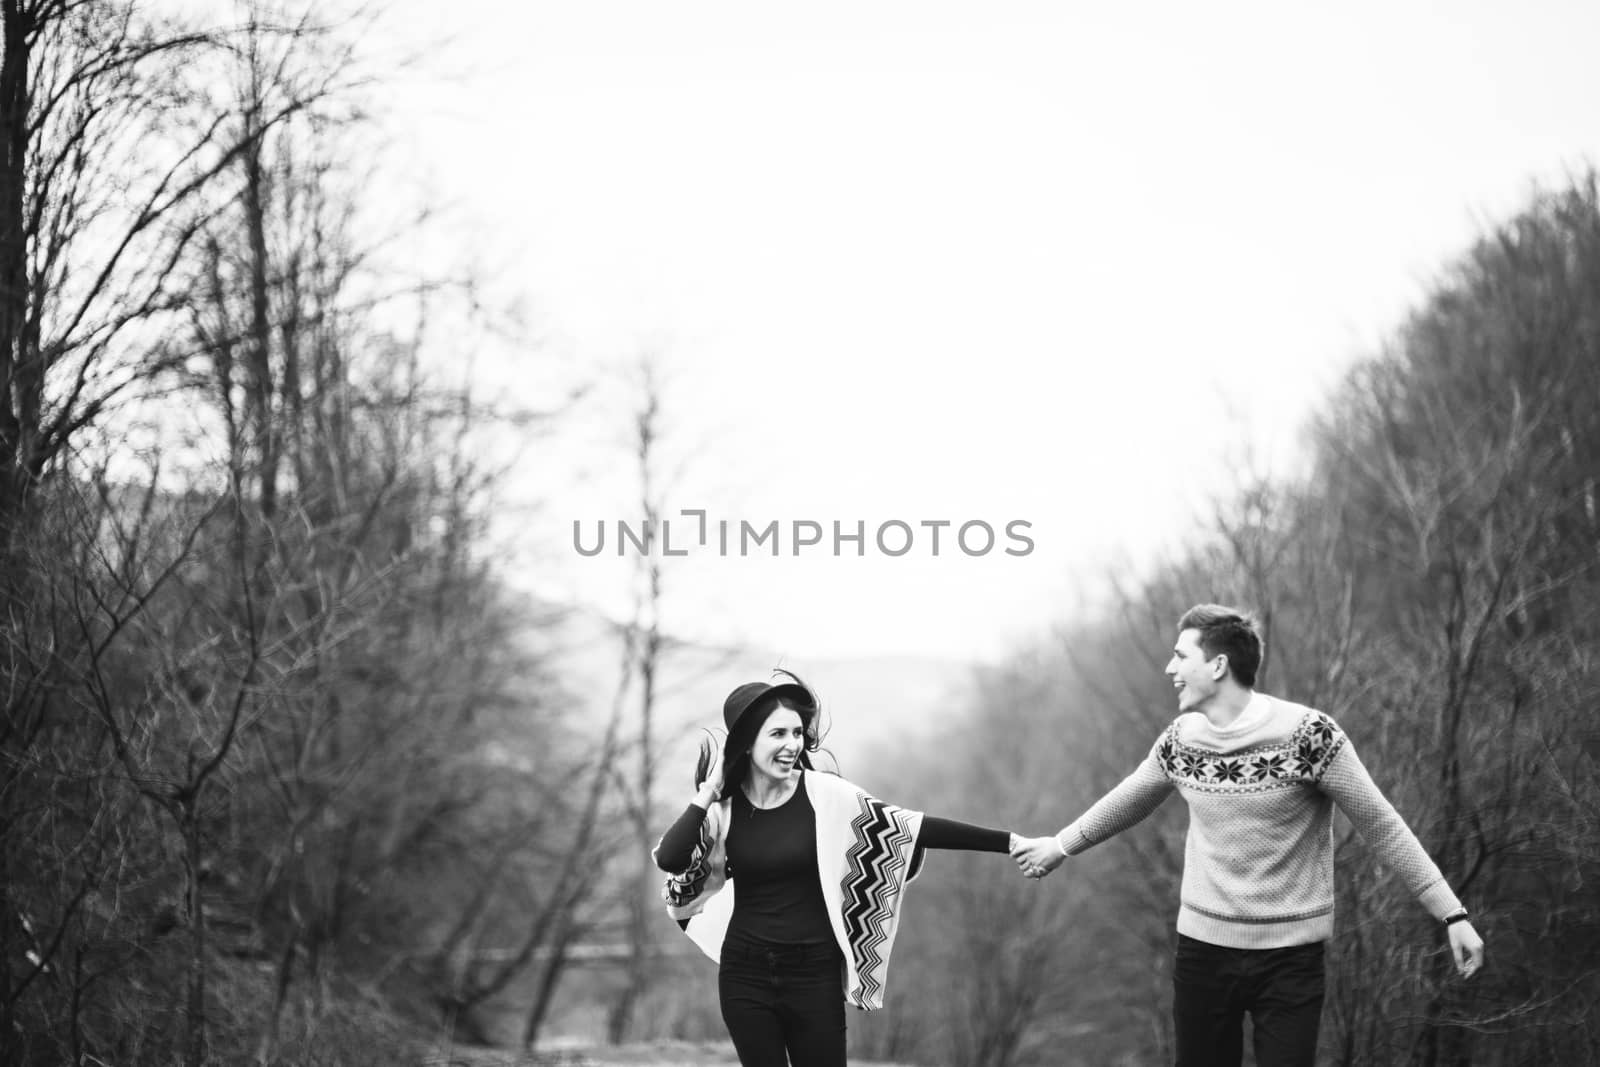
(793, 879)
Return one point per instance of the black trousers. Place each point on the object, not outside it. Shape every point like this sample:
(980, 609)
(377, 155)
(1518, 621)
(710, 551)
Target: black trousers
(1281, 989)
(784, 1006)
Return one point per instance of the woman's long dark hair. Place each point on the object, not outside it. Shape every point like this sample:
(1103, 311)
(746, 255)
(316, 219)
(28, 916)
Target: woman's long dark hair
(735, 770)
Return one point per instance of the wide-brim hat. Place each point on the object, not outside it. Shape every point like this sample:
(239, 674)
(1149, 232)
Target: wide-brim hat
(739, 711)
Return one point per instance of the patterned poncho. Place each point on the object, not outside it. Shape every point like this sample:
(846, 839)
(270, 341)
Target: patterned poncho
(866, 854)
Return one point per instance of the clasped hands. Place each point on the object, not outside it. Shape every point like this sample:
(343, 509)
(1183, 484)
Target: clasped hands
(1036, 856)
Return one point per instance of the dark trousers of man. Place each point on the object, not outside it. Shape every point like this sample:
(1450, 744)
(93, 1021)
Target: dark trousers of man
(784, 1005)
(1280, 988)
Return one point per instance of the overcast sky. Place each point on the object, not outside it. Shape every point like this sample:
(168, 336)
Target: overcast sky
(936, 261)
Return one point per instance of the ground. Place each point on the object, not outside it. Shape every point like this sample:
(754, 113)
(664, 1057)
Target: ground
(654, 1054)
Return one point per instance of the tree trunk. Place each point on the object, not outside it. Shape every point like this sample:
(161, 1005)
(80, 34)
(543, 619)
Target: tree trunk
(549, 979)
(15, 104)
(195, 1043)
(268, 1051)
(262, 386)
(640, 956)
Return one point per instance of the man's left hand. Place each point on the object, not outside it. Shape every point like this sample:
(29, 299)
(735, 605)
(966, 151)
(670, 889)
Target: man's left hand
(1467, 948)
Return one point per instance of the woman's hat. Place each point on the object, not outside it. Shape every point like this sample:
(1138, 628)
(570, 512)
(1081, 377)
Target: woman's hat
(736, 711)
(746, 696)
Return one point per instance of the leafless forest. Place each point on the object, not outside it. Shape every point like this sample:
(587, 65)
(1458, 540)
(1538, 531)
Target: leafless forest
(288, 776)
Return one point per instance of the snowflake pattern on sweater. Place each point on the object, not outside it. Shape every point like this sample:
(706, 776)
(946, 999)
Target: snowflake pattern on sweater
(1301, 759)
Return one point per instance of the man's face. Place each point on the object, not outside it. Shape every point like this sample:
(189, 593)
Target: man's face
(1196, 677)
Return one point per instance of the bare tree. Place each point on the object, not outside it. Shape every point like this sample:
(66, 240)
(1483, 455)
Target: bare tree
(644, 636)
(240, 697)
(91, 185)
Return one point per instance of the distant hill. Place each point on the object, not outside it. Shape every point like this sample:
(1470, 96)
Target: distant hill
(873, 703)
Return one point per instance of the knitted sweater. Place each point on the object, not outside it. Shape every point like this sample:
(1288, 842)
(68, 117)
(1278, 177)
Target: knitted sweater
(1258, 862)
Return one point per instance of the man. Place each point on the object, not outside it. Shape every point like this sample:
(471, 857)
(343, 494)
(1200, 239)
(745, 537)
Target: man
(1261, 777)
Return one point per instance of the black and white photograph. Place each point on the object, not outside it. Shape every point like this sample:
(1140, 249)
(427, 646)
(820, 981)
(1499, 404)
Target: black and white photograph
(593, 533)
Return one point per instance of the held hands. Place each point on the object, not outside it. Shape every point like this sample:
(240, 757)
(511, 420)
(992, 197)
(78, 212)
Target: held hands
(1466, 947)
(1036, 856)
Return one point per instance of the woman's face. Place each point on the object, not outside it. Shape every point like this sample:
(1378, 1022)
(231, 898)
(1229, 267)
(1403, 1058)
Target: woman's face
(778, 745)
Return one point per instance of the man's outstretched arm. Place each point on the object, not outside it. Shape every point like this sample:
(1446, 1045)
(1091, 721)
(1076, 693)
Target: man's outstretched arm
(1133, 799)
(1346, 780)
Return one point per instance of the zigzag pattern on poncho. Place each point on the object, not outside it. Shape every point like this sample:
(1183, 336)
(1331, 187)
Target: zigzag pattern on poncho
(883, 845)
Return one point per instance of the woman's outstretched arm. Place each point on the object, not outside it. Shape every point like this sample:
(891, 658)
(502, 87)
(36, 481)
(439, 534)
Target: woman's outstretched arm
(961, 836)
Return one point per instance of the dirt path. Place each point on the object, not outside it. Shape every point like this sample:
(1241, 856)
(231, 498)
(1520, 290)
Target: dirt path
(656, 1054)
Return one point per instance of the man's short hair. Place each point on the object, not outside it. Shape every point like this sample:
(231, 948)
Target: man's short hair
(1228, 632)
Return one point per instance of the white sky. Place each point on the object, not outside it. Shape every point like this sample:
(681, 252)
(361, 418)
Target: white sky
(962, 261)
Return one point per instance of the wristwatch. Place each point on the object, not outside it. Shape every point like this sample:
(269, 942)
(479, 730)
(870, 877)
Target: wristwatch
(1457, 916)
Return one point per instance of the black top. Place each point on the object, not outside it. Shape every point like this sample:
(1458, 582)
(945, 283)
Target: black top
(773, 854)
